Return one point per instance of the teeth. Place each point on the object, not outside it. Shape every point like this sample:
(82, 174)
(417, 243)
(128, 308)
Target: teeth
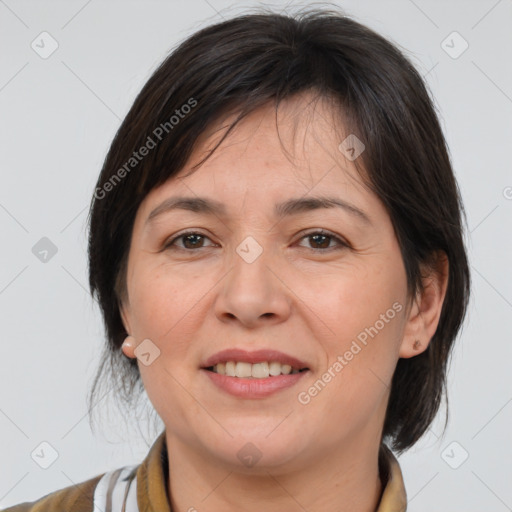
(256, 371)
(286, 369)
(260, 370)
(275, 368)
(243, 369)
(230, 369)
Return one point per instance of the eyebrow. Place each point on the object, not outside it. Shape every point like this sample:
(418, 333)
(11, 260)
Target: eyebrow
(284, 209)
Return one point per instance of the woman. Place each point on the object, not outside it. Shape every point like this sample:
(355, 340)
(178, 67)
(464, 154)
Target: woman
(275, 238)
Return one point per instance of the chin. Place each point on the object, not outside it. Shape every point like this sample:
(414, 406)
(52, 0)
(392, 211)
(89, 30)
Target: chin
(256, 451)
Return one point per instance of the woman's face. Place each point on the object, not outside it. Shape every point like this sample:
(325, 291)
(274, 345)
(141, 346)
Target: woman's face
(258, 275)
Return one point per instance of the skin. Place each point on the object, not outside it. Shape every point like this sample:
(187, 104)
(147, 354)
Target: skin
(298, 297)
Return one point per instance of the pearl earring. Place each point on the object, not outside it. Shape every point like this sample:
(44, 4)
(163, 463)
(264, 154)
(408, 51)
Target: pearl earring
(129, 342)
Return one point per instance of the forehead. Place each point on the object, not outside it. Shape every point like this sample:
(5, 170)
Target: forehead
(305, 128)
(292, 150)
(281, 169)
(269, 161)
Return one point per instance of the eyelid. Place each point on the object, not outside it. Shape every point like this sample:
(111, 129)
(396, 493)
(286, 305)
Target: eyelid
(170, 241)
(321, 231)
(340, 241)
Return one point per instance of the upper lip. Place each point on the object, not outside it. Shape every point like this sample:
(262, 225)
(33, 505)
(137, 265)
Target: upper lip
(257, 356)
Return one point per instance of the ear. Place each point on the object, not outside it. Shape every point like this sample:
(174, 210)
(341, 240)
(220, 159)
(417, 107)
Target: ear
(128, 346)
(425, 310)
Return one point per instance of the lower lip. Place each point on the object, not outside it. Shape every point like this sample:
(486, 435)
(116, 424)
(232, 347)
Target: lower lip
(254, 388)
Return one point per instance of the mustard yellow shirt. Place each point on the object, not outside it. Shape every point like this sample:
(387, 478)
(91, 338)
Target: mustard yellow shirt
(151, 487)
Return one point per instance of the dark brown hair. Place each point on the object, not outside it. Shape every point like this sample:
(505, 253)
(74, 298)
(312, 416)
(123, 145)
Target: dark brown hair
(247, 62)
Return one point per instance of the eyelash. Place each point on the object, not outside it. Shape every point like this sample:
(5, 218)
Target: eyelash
(341, 243)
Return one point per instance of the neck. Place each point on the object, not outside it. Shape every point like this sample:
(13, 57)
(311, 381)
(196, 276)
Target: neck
(347, 479)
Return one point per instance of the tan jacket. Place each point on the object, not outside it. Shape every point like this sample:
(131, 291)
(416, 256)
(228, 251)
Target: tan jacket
(145, 487)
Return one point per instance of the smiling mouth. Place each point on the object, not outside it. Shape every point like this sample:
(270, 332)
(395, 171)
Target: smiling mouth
(262, 370)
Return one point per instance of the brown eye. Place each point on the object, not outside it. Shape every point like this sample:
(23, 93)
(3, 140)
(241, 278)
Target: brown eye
(193, 241)
(190, 241)
(321, 240)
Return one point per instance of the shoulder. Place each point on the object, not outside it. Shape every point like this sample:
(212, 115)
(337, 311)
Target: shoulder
(113, 490)
(75, 498)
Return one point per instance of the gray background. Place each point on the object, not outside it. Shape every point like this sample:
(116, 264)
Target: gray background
(57, 118)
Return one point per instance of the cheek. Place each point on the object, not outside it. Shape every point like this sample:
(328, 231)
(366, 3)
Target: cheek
(360, 361)
(360, 299)
(163, 305)
(160, 297)
(169, 308)
(364, 310)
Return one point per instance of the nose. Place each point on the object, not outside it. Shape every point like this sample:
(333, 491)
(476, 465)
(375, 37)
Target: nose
(253, 293)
